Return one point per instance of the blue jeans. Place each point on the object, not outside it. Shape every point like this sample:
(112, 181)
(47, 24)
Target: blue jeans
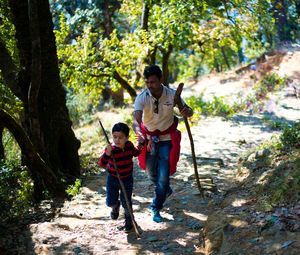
(113, 191)
(158, 169)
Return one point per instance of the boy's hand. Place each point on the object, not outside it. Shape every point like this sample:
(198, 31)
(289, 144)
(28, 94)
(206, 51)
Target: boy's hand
(108, 150)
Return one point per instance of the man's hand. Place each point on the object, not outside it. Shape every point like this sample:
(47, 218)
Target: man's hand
(140, 138)
(186, 111)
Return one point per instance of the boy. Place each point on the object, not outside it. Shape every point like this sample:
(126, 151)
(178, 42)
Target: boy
(123, 151)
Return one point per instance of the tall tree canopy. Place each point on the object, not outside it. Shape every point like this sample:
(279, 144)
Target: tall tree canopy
(186, 38)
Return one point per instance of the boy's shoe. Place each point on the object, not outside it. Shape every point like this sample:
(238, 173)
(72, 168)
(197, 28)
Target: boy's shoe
(156, 215)
(114, 214)
(127, 226)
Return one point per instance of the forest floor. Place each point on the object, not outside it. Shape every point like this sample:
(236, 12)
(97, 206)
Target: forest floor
(225, 221)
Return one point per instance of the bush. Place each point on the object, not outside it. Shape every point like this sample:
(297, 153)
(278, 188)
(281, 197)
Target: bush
(216, 107)
(73, 190)
(291, 136)
(16, 190)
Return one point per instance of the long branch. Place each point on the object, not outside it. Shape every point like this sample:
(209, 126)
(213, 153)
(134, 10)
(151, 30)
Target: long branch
(180, 106)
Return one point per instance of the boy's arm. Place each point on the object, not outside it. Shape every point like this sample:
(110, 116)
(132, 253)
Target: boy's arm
(103, 160)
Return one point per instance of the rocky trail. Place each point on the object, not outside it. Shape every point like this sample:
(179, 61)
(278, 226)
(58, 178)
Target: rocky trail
(224, 221)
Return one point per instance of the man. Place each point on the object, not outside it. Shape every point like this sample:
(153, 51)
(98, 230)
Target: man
(155, 121)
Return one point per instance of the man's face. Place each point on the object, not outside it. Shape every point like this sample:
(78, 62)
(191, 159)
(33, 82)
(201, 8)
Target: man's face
(153, 83)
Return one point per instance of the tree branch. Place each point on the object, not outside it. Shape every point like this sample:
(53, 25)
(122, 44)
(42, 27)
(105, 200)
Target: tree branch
(34, 162)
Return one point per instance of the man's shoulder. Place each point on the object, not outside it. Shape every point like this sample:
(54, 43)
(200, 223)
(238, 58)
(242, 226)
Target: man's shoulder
(145, 92)
(169, 91)
(143, 95)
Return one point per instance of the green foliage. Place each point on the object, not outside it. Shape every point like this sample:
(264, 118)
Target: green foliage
(203, 36)
(280, 179)
(270, 82)
(216, 107)
(16, 190)
(90, 63)
(11, 148)
(7, 29)
(73, 190)
(275, 124)
(79, 108)
(290, 137)
(285, 186)
(186, 66)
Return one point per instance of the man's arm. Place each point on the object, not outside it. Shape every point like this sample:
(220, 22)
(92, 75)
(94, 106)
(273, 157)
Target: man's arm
(137, 120)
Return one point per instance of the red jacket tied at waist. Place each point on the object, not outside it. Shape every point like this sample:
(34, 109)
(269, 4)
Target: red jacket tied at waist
(175, 148)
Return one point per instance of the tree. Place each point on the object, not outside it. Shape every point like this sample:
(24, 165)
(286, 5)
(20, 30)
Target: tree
(44, 133)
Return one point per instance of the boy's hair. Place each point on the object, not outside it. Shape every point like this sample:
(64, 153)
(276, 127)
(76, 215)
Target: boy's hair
(121, 127)
(152, 70)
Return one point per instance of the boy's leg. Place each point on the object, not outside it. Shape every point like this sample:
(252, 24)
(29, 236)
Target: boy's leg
(112, 196)
(128, 184)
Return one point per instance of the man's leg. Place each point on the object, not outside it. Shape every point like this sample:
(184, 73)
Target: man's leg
(163, 179)
(151, 166)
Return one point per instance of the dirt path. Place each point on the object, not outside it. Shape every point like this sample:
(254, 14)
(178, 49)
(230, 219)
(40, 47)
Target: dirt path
(83, 225)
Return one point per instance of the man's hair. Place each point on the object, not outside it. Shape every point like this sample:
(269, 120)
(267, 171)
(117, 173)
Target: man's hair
(152, 70)
(121, 127)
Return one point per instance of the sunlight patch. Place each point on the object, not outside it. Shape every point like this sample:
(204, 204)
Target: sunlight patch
(239, 202)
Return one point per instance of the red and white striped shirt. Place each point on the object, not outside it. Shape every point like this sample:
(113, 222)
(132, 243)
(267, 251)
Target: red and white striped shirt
(123, 158)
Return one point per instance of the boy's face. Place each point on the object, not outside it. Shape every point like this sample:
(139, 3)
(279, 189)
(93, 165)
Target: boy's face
(119, 139)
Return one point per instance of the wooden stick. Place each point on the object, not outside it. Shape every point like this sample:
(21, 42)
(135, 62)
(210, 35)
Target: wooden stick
(178, 102)
(138, 235)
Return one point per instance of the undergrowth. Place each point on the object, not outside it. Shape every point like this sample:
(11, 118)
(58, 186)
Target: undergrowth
(279, 179)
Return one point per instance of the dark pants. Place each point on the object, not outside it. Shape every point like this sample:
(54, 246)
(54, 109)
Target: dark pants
(158, 168)
(113, 192)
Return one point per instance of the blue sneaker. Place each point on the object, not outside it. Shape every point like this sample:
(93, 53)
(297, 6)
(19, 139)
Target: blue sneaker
(156, 216)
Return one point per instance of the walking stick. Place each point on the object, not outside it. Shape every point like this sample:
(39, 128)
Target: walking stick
(138, 235)
(177, 100)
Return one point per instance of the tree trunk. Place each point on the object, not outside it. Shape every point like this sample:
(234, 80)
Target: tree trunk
(280, 15)
(46, 119)
(40, 172)
(297, 4)
(125, 85)
(152, 56)
(225, 57)
(165, 64)
(2, 156)
(117, 97)
(108, 25)
(145, 15)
